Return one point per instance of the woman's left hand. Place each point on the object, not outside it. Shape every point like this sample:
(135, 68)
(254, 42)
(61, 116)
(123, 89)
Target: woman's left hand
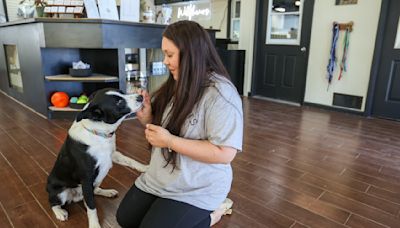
(157, 136)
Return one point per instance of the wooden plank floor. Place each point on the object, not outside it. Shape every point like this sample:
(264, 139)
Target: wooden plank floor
(301, 167)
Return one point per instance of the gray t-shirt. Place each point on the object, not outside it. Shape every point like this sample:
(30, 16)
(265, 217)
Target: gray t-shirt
(218, 117)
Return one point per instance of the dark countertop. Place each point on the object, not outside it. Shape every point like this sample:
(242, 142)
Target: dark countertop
(84, 20)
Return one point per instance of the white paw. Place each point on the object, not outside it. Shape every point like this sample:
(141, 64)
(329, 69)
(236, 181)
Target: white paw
(110, 192)
(106, 192)
(61, 214)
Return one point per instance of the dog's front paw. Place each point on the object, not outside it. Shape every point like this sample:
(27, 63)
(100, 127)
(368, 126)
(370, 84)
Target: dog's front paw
(61, 214)
(106, 192)
(110, 193)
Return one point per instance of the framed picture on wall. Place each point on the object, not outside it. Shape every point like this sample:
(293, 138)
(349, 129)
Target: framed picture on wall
(346, 2)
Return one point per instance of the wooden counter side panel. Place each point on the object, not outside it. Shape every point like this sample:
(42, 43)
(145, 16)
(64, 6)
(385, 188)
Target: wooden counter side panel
(28, 38)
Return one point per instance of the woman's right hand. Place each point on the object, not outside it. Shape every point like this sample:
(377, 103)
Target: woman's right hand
(144, 115)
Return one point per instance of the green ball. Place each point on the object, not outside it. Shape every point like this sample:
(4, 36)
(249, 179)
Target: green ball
(84, 97)
(81, 101)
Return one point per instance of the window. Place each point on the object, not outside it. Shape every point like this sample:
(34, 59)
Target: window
(284, 22)
(397, 42)
(13, 67)
(235, 20)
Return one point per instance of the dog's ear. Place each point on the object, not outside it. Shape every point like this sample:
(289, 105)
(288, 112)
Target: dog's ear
(92, 112)
(96, 113)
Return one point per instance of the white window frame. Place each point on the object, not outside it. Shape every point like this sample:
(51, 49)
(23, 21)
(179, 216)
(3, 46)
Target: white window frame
(283, 41)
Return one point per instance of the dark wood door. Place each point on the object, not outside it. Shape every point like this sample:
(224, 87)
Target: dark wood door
(281, 67)
(387, 91)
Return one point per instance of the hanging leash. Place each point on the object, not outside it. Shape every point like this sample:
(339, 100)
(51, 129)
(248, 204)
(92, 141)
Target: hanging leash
(343, 63)
(332, 59)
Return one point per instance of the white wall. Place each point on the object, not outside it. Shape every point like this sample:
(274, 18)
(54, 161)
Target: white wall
(365, 16)
(218, 20)
(246, 39)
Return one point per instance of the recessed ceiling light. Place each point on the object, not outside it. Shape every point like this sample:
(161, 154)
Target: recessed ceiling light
(297, 3)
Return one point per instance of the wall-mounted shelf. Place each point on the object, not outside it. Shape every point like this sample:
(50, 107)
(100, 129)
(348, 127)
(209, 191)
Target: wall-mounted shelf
(93, 78)
(345, 26)
(57, 7)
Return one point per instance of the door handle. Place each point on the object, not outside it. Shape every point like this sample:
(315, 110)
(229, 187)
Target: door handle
(303, 49)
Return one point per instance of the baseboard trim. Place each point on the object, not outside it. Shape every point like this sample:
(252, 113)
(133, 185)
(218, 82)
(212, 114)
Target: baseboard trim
(23, 105)
(277, 100)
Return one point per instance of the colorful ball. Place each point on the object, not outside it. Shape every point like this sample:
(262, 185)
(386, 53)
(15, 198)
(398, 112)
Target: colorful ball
(73, 100)
(60, 99)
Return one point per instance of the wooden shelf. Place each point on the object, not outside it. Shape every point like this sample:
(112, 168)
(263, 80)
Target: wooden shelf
(66, 109)
(93, 78)
(71, 110)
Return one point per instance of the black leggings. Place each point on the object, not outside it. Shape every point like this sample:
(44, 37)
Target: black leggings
(144, 210)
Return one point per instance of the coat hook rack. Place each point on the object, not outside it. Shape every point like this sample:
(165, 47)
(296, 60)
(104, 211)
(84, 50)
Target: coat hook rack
(345, 26)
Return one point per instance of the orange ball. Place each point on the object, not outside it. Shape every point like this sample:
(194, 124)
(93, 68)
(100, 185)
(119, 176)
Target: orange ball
(60, 99)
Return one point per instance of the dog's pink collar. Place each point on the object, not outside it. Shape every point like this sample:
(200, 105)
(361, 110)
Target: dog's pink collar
(101, 134)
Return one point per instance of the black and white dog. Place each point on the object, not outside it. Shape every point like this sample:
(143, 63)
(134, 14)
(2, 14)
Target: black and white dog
(88, 153)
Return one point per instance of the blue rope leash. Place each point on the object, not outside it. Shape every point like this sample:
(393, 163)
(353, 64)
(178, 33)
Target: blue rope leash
(332, 59)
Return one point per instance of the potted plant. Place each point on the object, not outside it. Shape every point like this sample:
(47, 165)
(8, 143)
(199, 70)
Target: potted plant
(40, 4)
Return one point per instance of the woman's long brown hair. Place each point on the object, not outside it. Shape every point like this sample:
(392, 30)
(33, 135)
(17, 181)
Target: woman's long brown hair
(198, 59)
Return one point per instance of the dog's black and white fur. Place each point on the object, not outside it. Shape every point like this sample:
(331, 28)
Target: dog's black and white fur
(88, 153)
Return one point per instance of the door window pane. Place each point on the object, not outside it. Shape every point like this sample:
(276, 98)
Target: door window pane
(284, 22)
(235, 30)
(397, 42)
(237, 9)
(13, 67)
(235, 20)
